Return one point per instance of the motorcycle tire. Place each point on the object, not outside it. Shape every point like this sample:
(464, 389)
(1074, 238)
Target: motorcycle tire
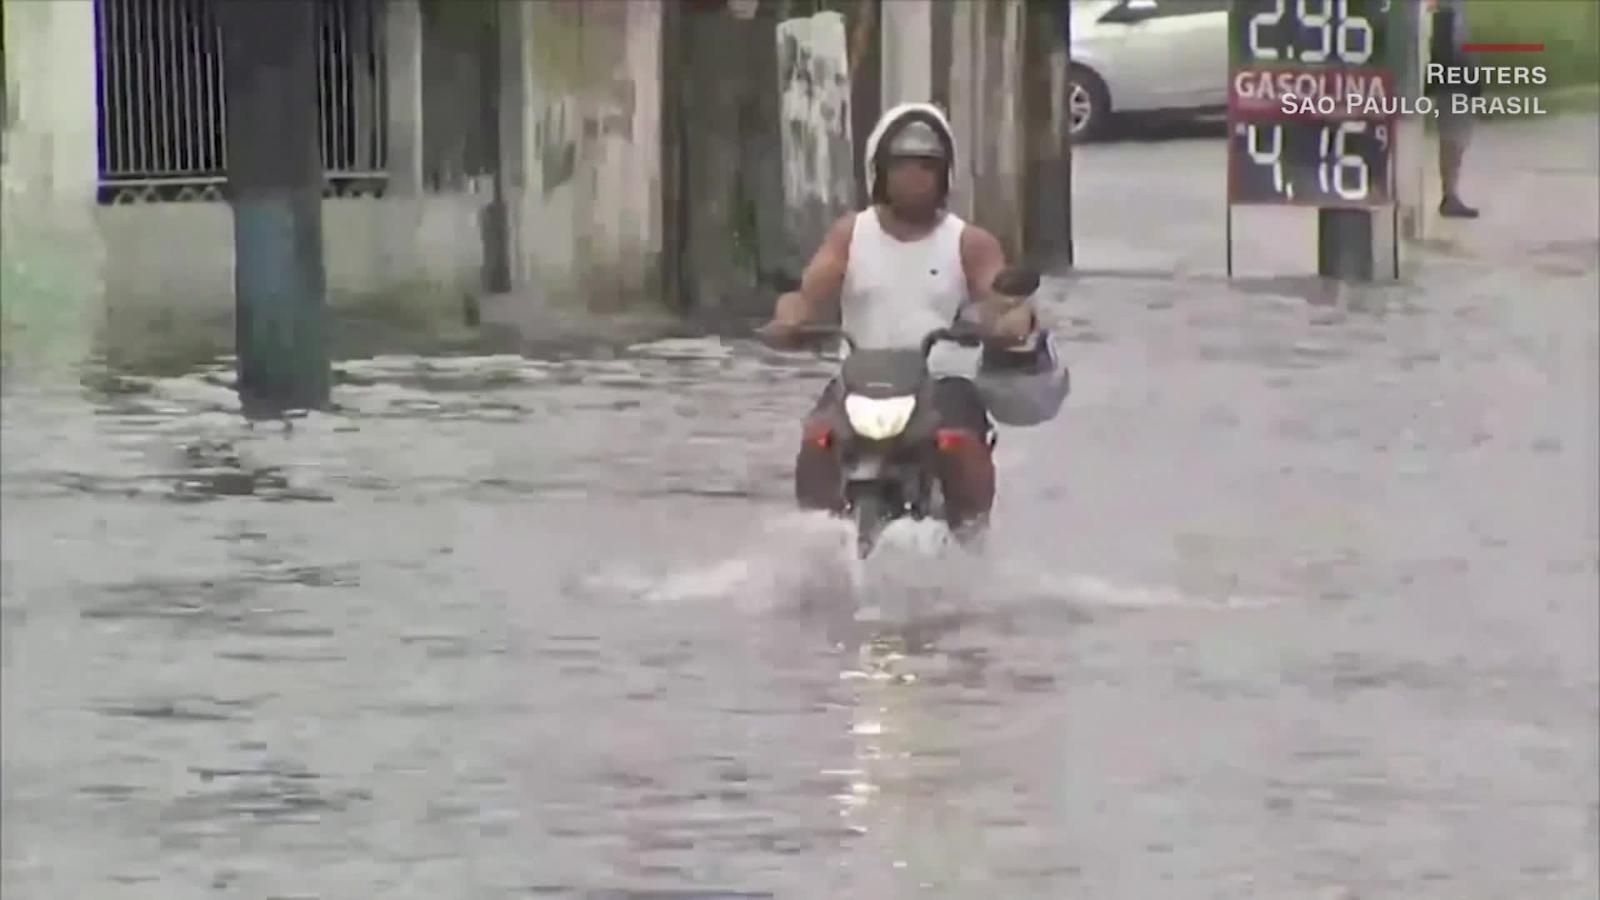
(872, 516)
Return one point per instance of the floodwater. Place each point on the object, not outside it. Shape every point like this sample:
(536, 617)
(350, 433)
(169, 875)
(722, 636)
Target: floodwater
(1293, 601)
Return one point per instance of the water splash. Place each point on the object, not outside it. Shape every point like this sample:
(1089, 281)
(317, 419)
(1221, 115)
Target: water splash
(1097, 591)
(794, 560)
(805, 564)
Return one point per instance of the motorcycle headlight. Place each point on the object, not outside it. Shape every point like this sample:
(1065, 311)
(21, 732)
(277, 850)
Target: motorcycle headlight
(878, 420)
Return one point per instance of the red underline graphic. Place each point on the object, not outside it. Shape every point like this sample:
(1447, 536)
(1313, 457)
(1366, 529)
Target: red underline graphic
(1502, 48)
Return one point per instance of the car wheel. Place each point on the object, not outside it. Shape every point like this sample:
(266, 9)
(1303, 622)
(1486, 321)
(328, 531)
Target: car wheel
(1088, 105)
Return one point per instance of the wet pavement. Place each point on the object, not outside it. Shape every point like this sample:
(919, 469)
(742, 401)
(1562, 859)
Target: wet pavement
(1294, 600)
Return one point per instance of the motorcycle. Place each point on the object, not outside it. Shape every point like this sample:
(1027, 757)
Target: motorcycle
(885, 427)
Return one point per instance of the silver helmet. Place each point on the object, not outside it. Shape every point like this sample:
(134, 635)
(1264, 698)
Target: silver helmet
(925, 118)
(915, 138)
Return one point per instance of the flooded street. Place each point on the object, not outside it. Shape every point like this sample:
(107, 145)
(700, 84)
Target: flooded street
(1293, 601)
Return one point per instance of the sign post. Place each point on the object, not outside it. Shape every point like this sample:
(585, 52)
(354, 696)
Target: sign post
(1312, 106)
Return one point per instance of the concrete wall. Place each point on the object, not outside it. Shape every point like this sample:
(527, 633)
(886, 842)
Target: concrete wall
(577, 176)
(50, 110)
(50, 252)
(583, 151)
(407, 253)
(126, 275)
(987, 115)
(411, 253)
(570, 187)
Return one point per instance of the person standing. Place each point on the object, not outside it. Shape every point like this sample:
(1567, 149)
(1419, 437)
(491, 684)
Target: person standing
(1451, 97)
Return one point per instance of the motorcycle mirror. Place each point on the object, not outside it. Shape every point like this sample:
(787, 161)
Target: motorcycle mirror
(1016, 281)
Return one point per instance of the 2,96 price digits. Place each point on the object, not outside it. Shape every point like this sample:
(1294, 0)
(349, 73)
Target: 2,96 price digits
(1312, 32)
(1312, 162)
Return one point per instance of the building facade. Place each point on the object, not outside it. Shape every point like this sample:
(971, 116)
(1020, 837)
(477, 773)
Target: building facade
(557, 151)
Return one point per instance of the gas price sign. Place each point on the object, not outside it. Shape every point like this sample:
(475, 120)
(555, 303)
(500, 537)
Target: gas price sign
(1311, 103)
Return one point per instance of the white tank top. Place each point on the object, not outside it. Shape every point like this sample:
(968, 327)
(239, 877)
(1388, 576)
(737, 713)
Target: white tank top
(895, 291)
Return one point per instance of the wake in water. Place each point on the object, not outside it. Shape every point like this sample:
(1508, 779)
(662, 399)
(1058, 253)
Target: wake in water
(804, 565)
(798, 563)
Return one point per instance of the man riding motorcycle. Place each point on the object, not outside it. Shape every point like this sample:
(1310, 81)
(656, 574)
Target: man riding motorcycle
(902, 267)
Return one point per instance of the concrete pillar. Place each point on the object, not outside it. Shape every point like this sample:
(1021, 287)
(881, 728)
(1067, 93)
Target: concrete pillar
(626, 239)
(51, 106)
(866, 83)
(405, 267)
(591, 220)
(402, 31)
(51, 255)
(814, 98)
(986, 112)
(940, 59)
(714, 277)
(987, 115)
(965, 55)
(1413, 152)
(494, 218)
(513, 111)
(275, 189)
(907, 36)
(1393, 229)
(1047, 173)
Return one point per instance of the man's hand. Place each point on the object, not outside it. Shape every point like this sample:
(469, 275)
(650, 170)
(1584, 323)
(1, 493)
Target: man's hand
(1001, 318)
(775, 333)
(1016, 324)
(820, 285)
(788, 317)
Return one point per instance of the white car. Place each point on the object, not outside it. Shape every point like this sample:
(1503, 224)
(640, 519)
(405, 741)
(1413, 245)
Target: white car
(1145, 56)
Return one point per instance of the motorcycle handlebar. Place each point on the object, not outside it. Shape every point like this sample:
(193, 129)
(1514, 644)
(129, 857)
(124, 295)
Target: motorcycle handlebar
(816, 334)
(965, 335)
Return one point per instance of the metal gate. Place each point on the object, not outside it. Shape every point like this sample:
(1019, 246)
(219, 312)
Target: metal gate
(162, 112)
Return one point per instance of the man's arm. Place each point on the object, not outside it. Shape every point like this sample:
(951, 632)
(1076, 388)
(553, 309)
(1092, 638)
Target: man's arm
(999, 316)
(820, 284)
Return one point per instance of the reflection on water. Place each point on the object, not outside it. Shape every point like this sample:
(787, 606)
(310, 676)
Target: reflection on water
(1292, 602)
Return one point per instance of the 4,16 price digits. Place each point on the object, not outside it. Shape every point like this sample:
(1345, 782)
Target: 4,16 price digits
(1345, 161)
